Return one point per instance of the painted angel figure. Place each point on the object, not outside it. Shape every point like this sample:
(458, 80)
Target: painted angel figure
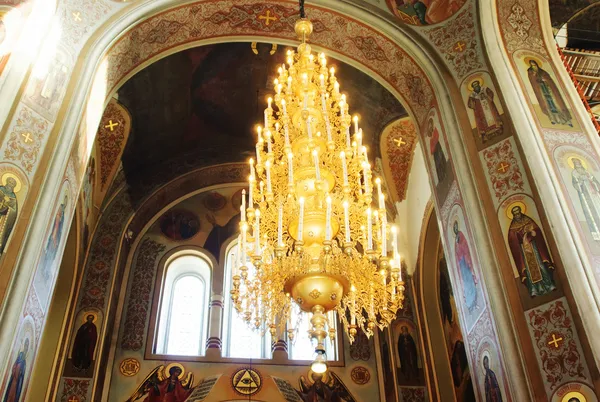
(331, 390)
(588, 189)
(159, 388)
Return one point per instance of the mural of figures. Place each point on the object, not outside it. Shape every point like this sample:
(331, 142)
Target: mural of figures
(485, 111)
(588, 190)
(85, 343)
(467, 289)
(425, 12)
(386, 365)
(220, 234)
(179, 224)
(580, 175)
(326, 387)
(20, 366)
(437, 152)
(461, 376)
(9, 206)
(491, 387)
(465, 268)
(529, 251)
(544, 93)
(48, 264)
(82, 354)
(44, 94)
(165, 385)
(408, 364)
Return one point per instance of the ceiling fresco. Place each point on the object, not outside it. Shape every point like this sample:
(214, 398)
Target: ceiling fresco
(424, 12)
(208, 100)
(562, 11)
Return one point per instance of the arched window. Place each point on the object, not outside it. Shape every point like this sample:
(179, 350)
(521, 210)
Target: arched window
(182, 322)
(239, 340)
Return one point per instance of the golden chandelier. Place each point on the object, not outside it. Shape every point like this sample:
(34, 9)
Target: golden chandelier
(314, 235)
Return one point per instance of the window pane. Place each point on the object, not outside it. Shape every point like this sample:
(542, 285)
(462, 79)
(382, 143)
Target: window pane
(303, 348)
(241, 340)
(185, 326)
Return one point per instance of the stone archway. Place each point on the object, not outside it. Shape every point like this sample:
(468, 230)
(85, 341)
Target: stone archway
(410, 74)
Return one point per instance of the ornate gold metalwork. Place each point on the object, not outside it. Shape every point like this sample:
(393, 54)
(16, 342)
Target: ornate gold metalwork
(314, 235)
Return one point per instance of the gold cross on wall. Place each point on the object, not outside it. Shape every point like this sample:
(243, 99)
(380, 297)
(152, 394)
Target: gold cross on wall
(111, 125)
(503, 167)
(460, 46)
(268, 18)
(77, 16)
(27, 137)
(555, 341)
(399, 141)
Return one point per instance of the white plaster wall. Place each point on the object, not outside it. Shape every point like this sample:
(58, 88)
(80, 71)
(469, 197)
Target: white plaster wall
(412, 209)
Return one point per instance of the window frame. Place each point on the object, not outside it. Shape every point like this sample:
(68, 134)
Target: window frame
(151, 349)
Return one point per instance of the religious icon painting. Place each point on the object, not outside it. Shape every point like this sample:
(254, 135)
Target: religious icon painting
(545, 93)
(83, 349)
(437, 155)
(214, 201)
(484, 109)
(533, 265)
(49, 261)
(20, 363)
(13, 188)
(490, 374)
(424, 12)
(385, 353)
(580, 175)
(463, 264)
(45, 91)
(409, 365)
(179, 224)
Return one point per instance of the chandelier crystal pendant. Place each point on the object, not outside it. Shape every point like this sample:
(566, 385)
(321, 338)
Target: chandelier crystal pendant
(314, 235)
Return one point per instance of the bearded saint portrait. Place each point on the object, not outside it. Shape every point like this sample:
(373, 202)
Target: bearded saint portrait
(530, 254)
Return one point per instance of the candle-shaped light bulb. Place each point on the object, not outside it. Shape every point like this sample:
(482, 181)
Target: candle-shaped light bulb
(304, 79)
(252, 173)
(328, 219)
(268, 168)
(289, 84)
(359, 137)
(353, 314)
(250, 192)
(259, 132)
(378, 183)
(284, 107)
(348, 144)
(316, 160)
(243, 207)
(346, 222)
(355, 120)
(322, 80)
(257, 232)
(280, 226)
(261, 187)
(332, 72)
(369, 229)
(344, 168)
(269, 102)
(383, 234)
(259, 146)
(290, 169)
(300, 219)
(309, 127)
(381, 202)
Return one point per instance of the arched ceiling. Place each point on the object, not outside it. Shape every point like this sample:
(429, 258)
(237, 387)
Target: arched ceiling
(208, 100)
(583, 18)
